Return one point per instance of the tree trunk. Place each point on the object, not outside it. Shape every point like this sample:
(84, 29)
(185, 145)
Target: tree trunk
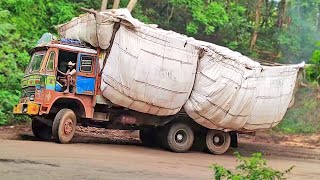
(256, 25)
(268, 13)
(282, 13)
(104, 5)
(131, 5)
(116, 4)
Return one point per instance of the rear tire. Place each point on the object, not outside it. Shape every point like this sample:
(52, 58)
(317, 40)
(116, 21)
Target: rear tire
(148, 137)
(178, 137)
(218, 142)
(199, 143)
(64, 126)
(234, 139)
(41, 130)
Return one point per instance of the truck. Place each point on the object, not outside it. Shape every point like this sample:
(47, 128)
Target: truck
(177, 91)
(55, 113)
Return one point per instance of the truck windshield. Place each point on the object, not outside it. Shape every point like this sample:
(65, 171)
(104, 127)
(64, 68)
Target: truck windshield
(36, 61)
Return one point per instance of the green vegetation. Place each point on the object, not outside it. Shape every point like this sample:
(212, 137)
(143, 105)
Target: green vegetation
(313, 70)
(304, 116)
(22, 22)
(281, 31)
(251, 168)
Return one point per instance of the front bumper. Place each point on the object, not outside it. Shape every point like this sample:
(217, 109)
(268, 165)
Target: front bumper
(26, 108)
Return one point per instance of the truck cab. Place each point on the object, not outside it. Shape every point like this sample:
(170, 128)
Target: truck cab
(43, 86)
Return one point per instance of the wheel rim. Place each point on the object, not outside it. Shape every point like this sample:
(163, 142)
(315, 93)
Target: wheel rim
(68, 127)
(180, 137)
(218, 139)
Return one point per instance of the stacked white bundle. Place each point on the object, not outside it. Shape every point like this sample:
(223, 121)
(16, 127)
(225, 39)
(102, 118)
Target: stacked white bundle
(154, 71)
(150, 70)
(83, 28)
(233, 92)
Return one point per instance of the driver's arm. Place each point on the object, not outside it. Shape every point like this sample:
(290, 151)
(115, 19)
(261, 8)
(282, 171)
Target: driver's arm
(73, 71)
(61, 72)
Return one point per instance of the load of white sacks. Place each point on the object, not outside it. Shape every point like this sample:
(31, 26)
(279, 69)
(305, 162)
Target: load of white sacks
(159, 72)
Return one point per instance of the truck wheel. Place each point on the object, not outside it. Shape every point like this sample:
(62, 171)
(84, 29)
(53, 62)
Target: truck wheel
(234, 139)
(178, 137)
(218, 142)
(199, 143)
(148, 137)
(41, 130)
(64, 126)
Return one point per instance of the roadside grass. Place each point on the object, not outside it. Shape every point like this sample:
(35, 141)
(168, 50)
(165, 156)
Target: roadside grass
(304, 116)
(254, 167)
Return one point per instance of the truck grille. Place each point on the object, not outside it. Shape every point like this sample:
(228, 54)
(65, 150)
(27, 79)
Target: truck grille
(28, 91)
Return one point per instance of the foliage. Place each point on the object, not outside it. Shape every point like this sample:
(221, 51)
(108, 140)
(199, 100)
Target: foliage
(313, 70)
(304, 116)
(298, 40)
(205, 16)
(22, 22)
(251, 168)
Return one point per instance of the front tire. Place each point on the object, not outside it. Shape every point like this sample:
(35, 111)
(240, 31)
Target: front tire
(41, 130)
(178, 137)
(64, 126)
(218, 142)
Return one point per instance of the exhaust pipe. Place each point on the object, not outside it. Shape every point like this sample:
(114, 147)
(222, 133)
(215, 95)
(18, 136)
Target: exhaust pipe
(131, 5)
(116, 4)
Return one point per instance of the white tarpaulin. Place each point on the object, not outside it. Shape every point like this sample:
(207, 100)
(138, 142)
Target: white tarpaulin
(95, 30)
(83, 28)
(154, 71)
(233, 92)
(150, 70)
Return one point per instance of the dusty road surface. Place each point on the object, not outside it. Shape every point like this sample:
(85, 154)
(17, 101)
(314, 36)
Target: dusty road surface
(114, 155)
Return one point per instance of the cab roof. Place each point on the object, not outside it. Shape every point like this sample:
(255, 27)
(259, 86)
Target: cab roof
(66, 44)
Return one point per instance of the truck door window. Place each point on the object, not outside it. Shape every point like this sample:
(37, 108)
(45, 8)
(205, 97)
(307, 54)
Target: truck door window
(64, 58)
(86, 64)
(50, 63)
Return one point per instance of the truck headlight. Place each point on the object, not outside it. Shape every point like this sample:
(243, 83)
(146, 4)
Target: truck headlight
(32, 97)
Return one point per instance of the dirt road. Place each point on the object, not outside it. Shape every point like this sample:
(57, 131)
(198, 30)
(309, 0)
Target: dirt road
(93, 157)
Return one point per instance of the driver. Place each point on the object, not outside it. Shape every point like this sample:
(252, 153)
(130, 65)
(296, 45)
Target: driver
(70, 74)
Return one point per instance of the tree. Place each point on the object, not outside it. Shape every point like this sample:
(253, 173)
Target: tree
(256, 24)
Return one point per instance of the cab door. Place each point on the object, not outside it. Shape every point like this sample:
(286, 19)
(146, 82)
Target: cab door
(86, 71)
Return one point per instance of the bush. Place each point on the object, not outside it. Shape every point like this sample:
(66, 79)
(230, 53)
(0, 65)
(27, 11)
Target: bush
(251, 168)
(313, 69)
(304, 116)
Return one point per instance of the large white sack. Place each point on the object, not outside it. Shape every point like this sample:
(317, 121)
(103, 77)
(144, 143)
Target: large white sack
(233, 92)
(150, 70)
(96, 29)
(82, 28)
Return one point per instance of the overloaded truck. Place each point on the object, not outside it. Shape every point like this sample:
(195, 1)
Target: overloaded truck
(128, 75)
(55, 113)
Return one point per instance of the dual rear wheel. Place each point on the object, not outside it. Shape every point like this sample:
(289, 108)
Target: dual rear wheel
(176, 137)
(179, 137)
(217, 142)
